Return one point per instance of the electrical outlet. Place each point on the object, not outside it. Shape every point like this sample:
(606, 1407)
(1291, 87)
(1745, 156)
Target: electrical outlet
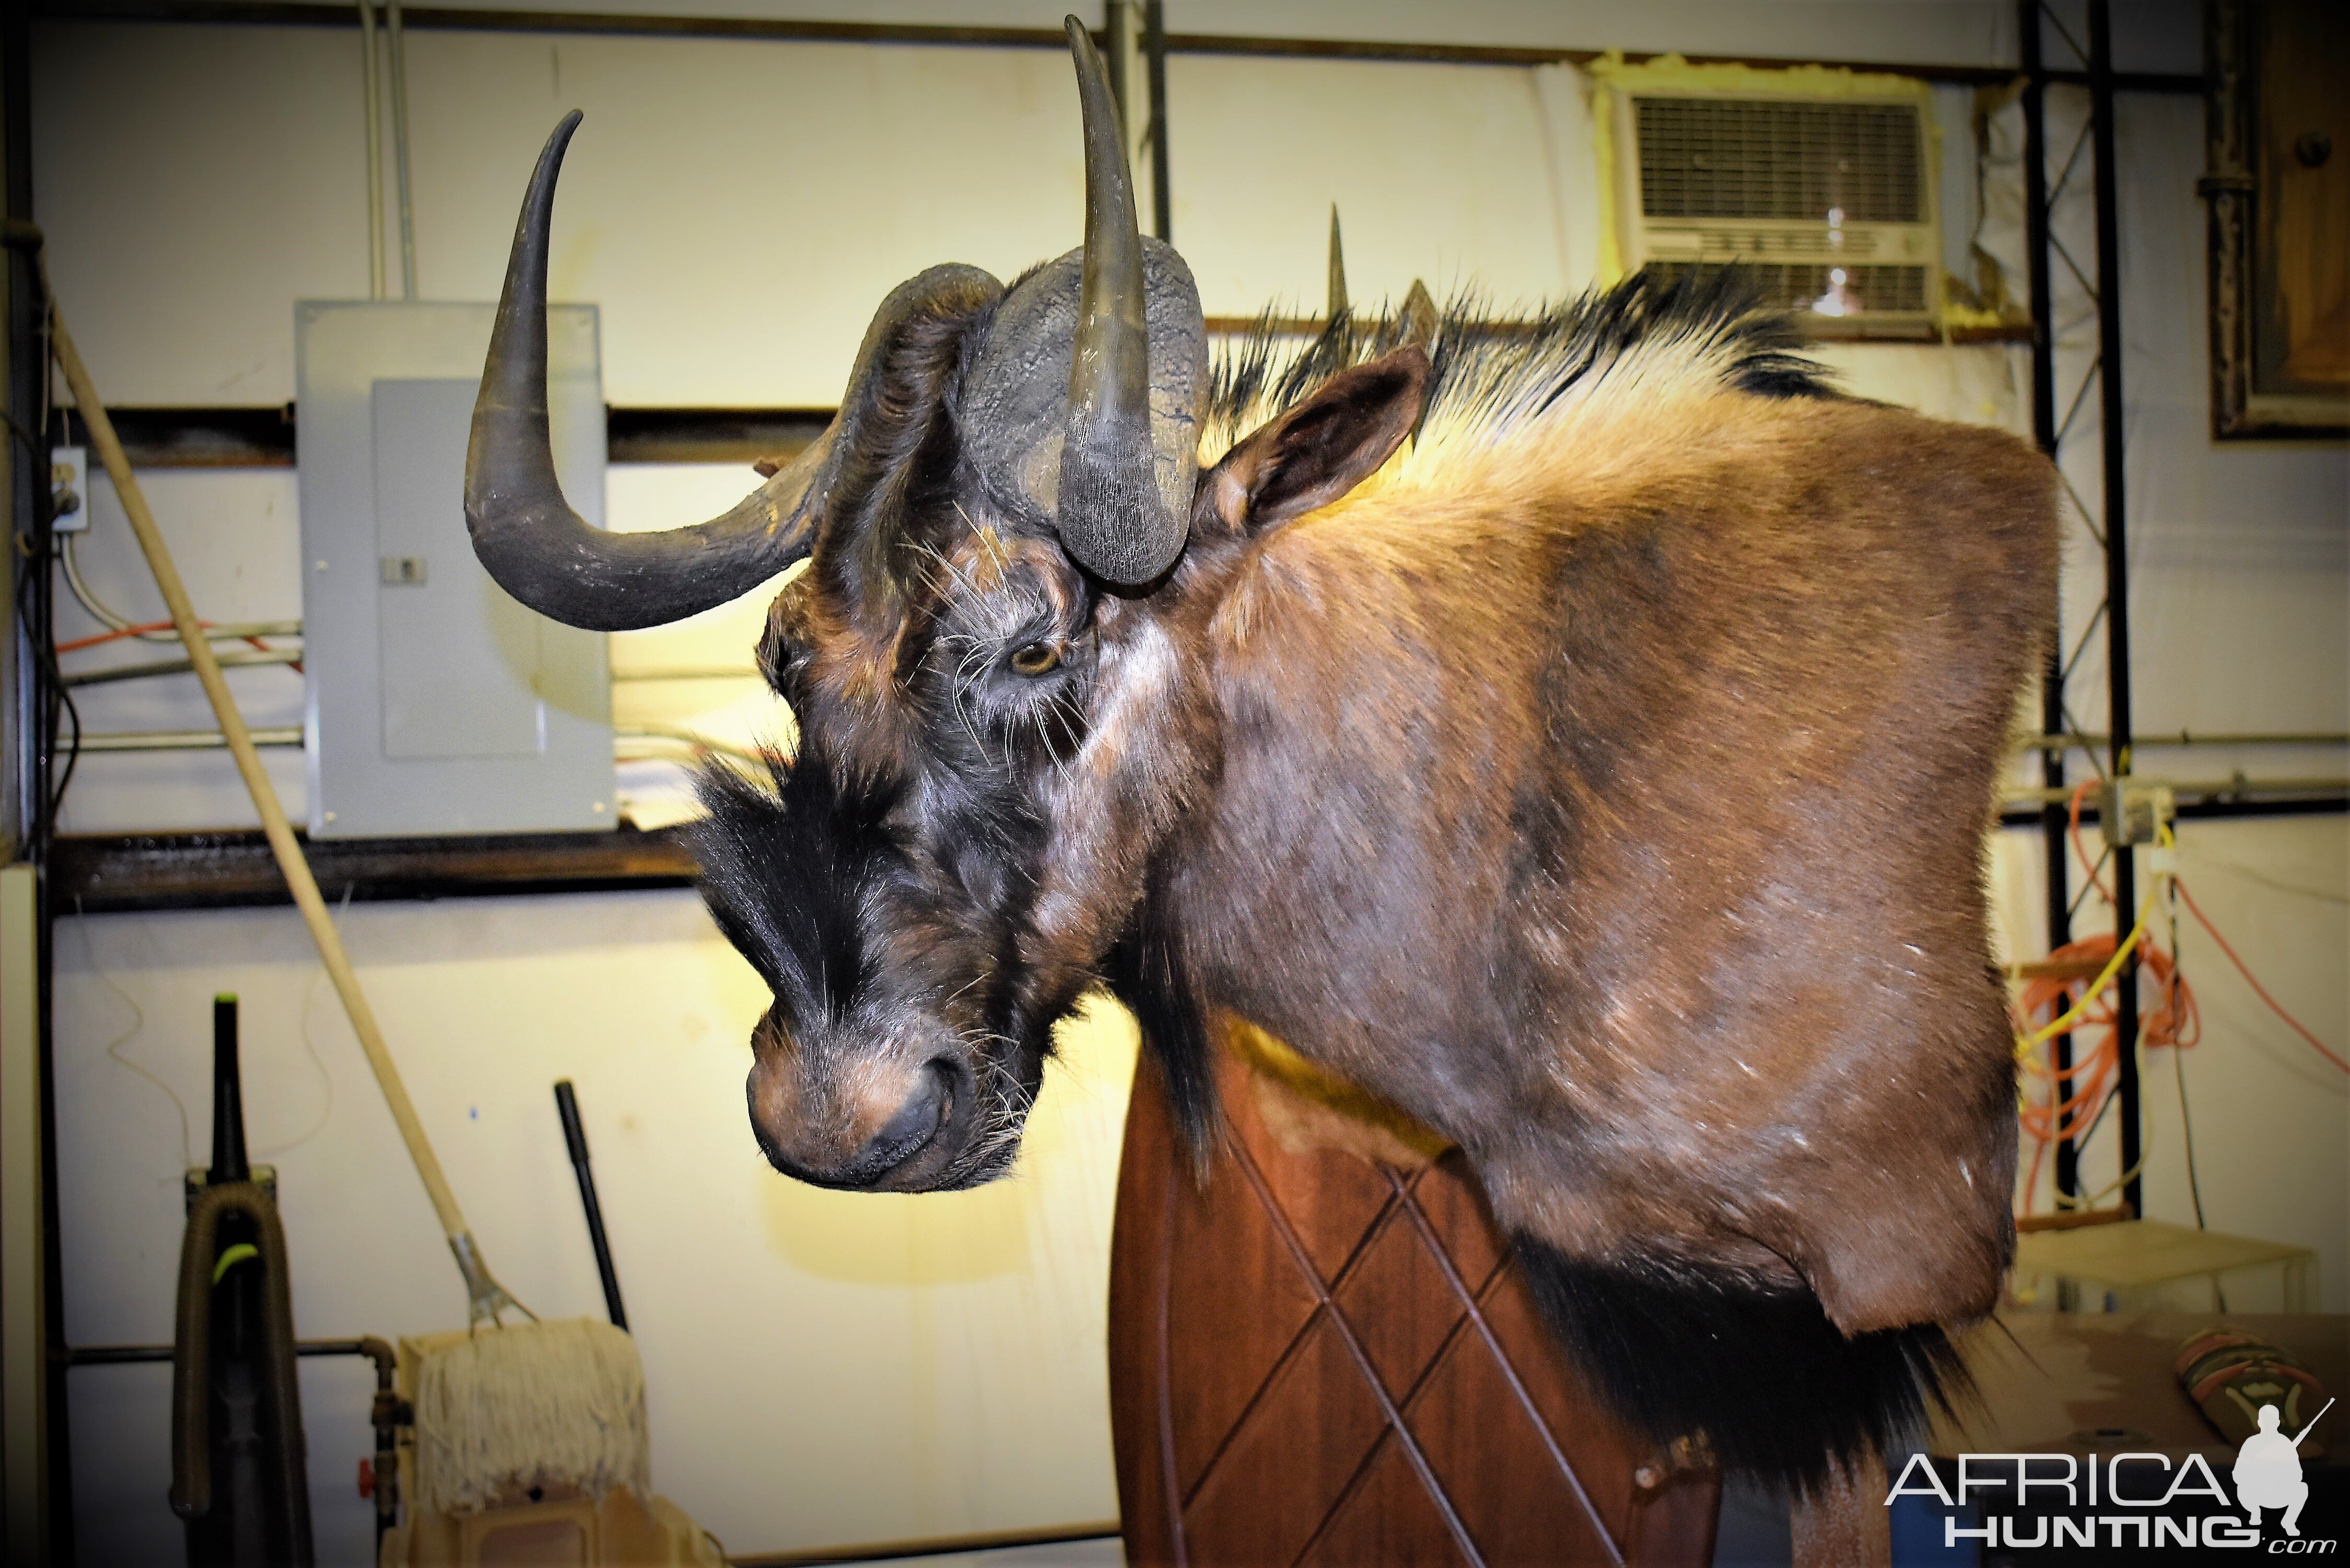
(2135, 811)
(68, 489)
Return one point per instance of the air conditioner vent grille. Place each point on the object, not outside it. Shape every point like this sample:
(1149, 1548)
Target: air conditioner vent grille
(1738, 158)
(1874, 290)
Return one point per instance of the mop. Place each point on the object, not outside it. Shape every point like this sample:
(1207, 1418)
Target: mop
(519, 1406)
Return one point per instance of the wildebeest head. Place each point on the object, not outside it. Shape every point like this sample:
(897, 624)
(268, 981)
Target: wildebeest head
(1008, 535)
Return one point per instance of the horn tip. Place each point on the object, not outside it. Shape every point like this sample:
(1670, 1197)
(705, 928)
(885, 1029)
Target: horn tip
(559, 139)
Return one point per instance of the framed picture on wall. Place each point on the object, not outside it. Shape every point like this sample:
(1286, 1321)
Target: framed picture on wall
(2277, 177)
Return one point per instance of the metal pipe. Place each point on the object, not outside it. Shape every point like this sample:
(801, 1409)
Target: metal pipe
(233, 659)
(2113, 413)
(396, 39)
(185, 740)
(388, 1415)
(2077, 741)
(130, 1355)
(374, 109)
(2239, 788)
(291, 736)
(2059, 901)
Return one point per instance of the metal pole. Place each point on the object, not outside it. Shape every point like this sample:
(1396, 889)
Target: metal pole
(1154, 47)
(2112, 414)
(574, 1138)
(2043, 432)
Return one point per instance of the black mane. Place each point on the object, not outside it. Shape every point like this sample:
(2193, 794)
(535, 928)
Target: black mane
(1480, 367)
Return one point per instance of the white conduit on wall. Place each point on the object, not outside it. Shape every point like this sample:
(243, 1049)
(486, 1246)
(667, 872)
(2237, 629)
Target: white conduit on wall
(396, 37)
(374, 63)
(374, 111)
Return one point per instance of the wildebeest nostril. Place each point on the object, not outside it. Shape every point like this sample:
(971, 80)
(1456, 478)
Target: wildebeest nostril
(908, 1129)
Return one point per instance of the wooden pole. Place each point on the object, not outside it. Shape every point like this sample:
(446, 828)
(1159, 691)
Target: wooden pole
(487, 1296)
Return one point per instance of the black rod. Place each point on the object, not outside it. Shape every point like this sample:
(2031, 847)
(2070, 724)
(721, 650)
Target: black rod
(229, 1161)
(1154, 49)
(2118, 648)
(2043, 432)
(574, 1138)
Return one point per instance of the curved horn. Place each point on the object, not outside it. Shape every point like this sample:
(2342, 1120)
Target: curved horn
(540, 550)
(1112, 519)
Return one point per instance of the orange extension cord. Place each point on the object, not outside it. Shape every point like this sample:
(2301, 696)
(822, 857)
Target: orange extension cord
(78, 644)
(2072, 1100)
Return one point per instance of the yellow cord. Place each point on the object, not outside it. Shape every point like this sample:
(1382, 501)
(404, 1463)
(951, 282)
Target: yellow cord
(2025, 1044)
(2118, 1182)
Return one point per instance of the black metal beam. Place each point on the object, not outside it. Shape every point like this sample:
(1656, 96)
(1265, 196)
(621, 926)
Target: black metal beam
(103, 873)
(2114, 414)
(2043, 430)
(190, 437)
(110, 874)
(285, 14)
(710, 435)
(250, 437)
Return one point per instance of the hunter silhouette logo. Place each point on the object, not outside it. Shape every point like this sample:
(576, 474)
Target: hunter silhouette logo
(2268, 1470)
(2126, 1500)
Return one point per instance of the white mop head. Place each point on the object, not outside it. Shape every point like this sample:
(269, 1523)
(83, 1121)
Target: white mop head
(499, 1408)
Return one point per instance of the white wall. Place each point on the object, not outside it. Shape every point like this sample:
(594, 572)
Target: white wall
(828, 1368)
(822, 1366)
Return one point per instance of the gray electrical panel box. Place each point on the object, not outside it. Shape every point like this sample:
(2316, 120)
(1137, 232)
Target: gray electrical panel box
(436, 703)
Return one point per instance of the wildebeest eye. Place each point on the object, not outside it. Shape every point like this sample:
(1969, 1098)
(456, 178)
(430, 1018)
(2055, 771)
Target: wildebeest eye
(1036, 659)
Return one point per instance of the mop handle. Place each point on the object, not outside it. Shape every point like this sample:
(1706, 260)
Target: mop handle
(282, 842)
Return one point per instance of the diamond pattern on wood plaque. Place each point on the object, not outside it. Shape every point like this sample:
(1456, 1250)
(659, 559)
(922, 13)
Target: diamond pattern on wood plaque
(1320, 1360)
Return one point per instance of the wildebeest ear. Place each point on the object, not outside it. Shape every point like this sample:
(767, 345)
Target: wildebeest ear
(1314, 452)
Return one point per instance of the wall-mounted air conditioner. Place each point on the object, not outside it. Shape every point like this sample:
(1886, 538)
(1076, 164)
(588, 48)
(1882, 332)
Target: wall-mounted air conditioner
(1828, 201)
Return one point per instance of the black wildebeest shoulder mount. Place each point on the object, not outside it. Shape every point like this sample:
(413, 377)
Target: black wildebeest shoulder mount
(1578, 737)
